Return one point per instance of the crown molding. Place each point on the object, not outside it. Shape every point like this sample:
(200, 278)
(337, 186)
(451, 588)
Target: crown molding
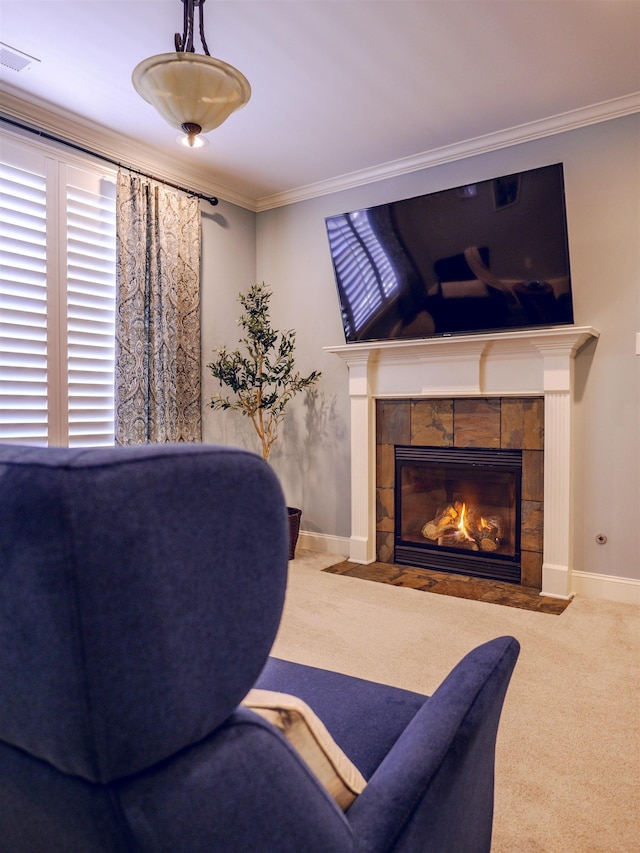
(126, 152)
(551, 126)
(104, 143)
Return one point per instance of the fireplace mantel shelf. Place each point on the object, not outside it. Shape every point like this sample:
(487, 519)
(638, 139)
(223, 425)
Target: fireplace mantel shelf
(462, 365)
(524, 362)
(555, 335)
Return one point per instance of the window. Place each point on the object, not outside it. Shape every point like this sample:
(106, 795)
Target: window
(57, 298)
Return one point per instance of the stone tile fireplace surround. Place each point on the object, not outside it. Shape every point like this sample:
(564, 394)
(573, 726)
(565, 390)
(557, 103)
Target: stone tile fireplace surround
(513, 373)
(509, 423)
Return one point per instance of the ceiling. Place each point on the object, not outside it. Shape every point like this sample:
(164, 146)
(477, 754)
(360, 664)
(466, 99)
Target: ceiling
(342, 90)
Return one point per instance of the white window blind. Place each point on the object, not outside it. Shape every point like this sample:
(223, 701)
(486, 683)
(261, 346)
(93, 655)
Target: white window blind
(23, 303)
(90, 312)
(57, 299)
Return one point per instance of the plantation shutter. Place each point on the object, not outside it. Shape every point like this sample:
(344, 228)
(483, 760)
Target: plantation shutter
(57, 300)
(91, 296)
(23, 302)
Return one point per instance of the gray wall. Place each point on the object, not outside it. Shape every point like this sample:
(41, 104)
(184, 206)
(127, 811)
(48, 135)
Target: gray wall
(287, 248)
(228, 267)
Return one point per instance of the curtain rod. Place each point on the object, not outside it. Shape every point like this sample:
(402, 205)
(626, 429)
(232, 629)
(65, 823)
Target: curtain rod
(52, 138)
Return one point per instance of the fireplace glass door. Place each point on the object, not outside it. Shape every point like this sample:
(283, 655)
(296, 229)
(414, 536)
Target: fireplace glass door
(458, 509)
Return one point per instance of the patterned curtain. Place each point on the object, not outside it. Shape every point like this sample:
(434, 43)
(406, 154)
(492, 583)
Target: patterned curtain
(157, 396)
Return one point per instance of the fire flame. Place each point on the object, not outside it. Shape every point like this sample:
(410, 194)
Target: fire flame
(462, 524)
(459, 526)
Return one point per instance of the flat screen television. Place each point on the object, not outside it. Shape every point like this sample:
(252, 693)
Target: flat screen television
(485, 257)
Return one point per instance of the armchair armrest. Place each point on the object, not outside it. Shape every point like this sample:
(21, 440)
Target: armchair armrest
(434, 790)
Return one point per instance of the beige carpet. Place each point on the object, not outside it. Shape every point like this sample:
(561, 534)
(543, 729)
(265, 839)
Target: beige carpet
(568, 758)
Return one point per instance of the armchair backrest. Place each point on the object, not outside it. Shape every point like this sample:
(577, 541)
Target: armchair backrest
(102, 552)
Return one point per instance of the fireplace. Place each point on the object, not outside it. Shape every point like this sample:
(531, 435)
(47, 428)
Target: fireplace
(524, 364)
(487, 453)
(458, 510)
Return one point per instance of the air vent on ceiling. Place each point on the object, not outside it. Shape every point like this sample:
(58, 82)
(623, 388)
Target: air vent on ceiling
(15, 59)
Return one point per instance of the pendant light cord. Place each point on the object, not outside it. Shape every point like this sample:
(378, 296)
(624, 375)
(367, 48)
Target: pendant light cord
(184, 43)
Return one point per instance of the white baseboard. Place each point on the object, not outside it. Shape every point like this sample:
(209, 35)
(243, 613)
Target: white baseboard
(608, 587)
(323, 543)
(622, 590)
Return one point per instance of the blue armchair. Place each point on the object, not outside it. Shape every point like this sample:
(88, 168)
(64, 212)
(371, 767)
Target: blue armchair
(140, 594)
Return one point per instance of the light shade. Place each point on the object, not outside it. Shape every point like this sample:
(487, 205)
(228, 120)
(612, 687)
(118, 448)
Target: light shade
(192, 89)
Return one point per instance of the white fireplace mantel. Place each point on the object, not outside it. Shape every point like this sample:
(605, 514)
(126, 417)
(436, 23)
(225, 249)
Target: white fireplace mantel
(520, 363)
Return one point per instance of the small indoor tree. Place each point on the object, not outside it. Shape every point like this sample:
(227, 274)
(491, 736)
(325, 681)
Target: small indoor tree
(263, 378)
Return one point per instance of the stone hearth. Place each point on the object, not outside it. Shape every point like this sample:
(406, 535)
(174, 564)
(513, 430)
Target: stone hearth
(519, 364)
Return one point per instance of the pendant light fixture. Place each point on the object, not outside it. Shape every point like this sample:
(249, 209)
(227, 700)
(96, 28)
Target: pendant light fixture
(192, 92)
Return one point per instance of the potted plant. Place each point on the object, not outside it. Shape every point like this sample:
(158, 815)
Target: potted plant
(262, 378)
